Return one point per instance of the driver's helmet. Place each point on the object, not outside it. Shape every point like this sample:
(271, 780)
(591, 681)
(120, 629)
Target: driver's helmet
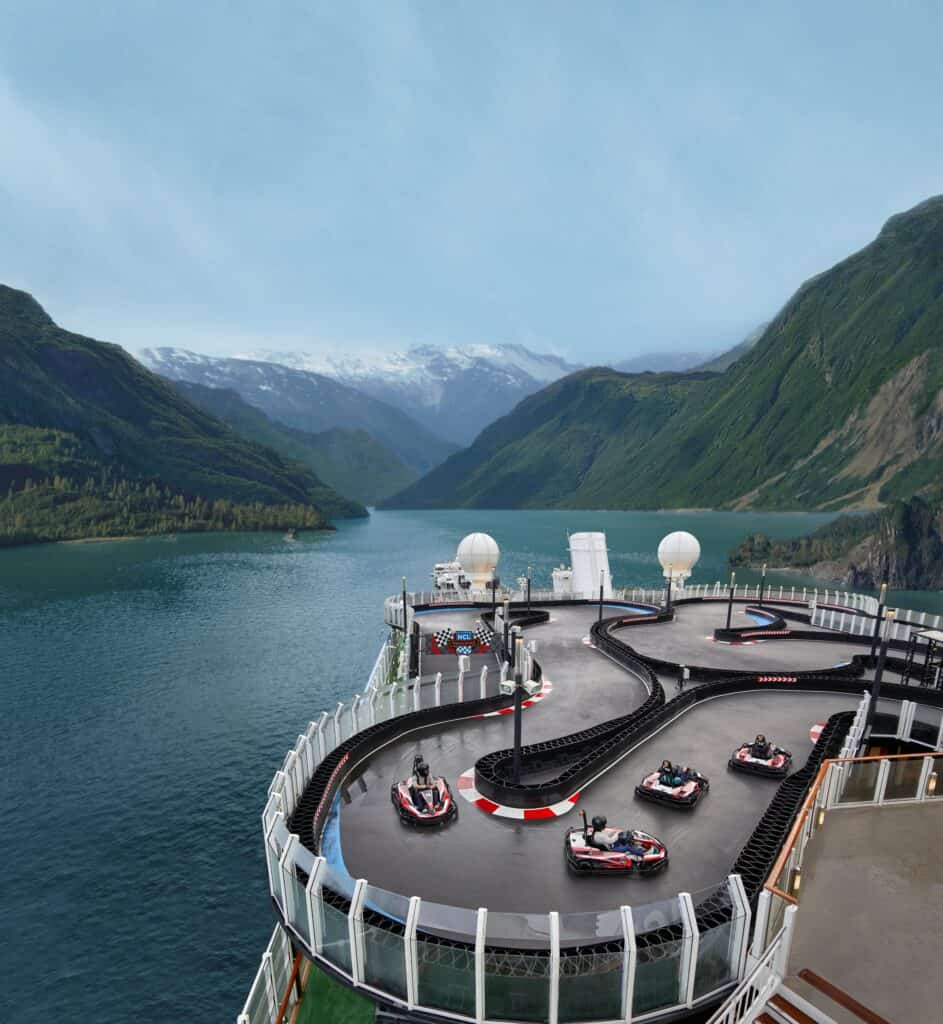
(599, 823)
(760, 738)
(666, 765)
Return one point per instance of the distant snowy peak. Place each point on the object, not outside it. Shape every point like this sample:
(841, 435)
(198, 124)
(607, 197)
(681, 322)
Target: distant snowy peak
(455, 392)
(424, 364)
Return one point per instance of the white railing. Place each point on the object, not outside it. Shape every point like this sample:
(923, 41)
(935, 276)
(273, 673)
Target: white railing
(747, 1001)
(822, 598)
(271, 983)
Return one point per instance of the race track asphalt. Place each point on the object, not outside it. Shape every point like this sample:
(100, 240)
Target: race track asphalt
(481, 860)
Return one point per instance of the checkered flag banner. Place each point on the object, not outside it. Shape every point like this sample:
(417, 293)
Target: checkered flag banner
(483, 637)
(439, 641)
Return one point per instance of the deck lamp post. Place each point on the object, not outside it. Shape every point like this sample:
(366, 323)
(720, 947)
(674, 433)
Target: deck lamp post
(519, 688)
(528, 590)
(733, 577)
(404, 604)
(602, 587)
(494, 598)
(877, 620)
(507, 614)
(668, 594)
(879, 671)
(762, 584)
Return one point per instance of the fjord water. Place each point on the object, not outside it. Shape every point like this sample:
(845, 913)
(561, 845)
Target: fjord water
(149, 691)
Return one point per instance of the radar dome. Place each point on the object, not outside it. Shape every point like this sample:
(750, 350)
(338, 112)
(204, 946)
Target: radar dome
(479, 555)
(678, 553)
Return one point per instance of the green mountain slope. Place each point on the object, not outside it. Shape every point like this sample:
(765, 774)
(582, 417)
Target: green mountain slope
(838, 405)
(86, 413)
(350, 461)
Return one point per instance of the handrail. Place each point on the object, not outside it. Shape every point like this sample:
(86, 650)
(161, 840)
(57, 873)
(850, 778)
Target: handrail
(286, 998)
(840, 996)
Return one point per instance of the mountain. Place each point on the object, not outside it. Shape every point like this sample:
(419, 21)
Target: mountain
(659, 362)
(726, 359)
(454, 391)
(306, 401)
(901, 545)
(839, 404)
(350, 461)
(87, 435)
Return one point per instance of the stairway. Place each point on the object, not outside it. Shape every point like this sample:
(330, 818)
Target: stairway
(813, 999)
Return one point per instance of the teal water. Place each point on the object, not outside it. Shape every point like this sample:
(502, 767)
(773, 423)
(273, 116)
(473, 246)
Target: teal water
(149, 691)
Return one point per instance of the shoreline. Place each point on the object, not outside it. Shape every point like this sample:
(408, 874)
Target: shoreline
(121, 538)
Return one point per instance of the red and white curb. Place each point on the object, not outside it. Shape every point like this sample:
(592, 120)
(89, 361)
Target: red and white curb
(466, 787)
(777, 679)
(546, 688)
(816, 731)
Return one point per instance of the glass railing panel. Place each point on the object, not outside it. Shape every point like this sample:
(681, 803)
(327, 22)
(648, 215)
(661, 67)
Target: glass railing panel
(886, 718)
(446, 976)
(777, 915)
(658, 933)
(903, 779)
(384, 957)
(715, 916)
(441, 920)
(591, 961)
(344, 724)
(390, 904)
(925, 727)
(338, 881)
(517, 966)
(860, 780)
(336, 934)
(261, 1005)
(517, 984)
(590, 928)
(297, 909)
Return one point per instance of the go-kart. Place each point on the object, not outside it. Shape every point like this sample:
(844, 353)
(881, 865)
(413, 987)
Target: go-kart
(423, 798)
(613, 851)
(684, 791)
(775, 766)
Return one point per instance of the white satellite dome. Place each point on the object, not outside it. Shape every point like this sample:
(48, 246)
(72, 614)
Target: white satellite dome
(478, 554)
(678, 553)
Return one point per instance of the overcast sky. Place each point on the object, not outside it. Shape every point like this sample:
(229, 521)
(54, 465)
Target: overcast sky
(596, 180)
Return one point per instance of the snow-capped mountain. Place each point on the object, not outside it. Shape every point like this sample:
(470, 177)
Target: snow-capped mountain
(307, 401)
(455, 391)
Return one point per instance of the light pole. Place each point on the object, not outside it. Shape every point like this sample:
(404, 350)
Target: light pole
(494, 598)
(602, 585)
(518, 709)
(528, 590)
(877, 620)
(668, 598)
(879, 672)
(404, 604)
(507, 613)
(733, 577)
(762, 584)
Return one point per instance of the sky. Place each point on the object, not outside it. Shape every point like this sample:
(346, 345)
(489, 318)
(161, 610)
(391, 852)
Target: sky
(594, 180)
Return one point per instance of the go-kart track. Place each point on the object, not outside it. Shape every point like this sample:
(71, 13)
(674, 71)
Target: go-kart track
(485, 860)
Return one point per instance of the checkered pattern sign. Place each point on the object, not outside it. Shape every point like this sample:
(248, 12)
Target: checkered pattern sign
(461, 641)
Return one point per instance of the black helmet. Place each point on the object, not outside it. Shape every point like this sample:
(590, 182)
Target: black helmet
(760, 738)
(599, 822)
